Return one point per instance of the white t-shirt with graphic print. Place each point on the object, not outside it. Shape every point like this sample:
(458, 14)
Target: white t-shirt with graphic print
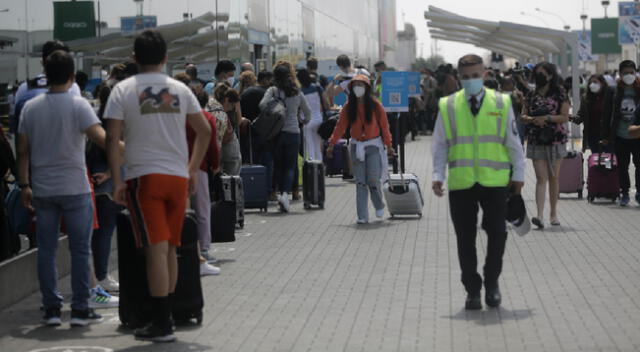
(153, 107)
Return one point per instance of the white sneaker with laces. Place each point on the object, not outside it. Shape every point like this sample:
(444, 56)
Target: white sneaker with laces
(101, 299)
(380, 214)
(110, 284)
(207, 269)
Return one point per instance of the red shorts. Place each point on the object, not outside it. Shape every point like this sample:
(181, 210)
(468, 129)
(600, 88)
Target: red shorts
(157, 204)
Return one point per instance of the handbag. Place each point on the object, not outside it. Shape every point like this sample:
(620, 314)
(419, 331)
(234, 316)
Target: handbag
(271, 119)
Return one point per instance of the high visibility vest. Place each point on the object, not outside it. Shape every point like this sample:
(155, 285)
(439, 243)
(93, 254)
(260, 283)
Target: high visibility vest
(477, 144)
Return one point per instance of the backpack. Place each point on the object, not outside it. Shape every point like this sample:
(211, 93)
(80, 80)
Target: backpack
(34, 88)
(271, 119)
(19, 221)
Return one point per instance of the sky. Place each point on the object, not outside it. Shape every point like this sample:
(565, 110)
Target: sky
(413, 11)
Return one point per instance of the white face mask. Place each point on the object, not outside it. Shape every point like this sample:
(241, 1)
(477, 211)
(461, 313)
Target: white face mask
(629, 78)
(359, 91)
(230, 80)
(594, 87)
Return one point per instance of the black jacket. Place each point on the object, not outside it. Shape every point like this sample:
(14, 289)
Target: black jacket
(585, 112)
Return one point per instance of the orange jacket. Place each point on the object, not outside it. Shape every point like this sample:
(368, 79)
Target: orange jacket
(360, 129)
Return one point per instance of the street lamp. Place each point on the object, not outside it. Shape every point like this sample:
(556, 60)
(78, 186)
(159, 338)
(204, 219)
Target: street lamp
(605, 3)
(584, 17)
(536, 17)
(564, 23)
(4, 10)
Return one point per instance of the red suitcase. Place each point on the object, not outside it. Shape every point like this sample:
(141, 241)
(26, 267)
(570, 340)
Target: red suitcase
(572, 174)
(602, 179)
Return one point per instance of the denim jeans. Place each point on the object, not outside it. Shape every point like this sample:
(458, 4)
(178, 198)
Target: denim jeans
(101, 241)
(368, 174)
(286, 152)
(77, 212)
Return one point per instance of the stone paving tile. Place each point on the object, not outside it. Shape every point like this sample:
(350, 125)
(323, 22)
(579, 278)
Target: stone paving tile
(314, 281)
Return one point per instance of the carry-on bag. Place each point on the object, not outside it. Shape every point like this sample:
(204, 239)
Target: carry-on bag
(602, 177)
(334, 164)
(571, 178)
(254, 181)
(313, 188)
(230, 189)
(188, 300)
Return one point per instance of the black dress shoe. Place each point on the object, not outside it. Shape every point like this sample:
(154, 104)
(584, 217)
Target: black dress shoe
(473, 302)
(492, 297)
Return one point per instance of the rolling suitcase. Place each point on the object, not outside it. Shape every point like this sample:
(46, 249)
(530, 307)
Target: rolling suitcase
(602, 177)
(313, 189)
(188, 300)
(254, 180)
(347, 164)
(230, 189)
(571, 172)
(402, 192)
(335, 163)
(134, 308)
(224, 209)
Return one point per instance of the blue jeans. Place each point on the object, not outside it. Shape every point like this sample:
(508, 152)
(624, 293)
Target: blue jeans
(286, 153)
(77, 211)
(368, 174)
(101, 241)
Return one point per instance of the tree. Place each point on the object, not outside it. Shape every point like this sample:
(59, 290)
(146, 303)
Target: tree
(431, 63)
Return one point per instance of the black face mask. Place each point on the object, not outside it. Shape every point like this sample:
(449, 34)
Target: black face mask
(541, 80)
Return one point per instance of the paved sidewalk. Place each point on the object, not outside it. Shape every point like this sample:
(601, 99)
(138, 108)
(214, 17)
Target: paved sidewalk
(314, 281)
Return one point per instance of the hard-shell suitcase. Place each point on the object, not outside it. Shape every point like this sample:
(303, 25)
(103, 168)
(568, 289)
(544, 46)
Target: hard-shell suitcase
(335, 163)
(225, 209)
(571, 173)
(313, 189)
(602, 177)
(254, 181)
(135, 308)
(402, 191)
(188, 300)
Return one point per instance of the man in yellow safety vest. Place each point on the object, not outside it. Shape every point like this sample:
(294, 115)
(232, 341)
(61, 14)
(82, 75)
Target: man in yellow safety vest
(476, 136)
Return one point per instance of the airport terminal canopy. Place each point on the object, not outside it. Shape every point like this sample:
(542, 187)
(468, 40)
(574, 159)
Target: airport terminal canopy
(190, 40)
(523, 42)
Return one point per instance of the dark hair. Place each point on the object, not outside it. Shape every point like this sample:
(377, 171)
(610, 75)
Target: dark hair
(150, 48)
(203, 98)
(352, 105)
(104, 90)
(554, 81)
(118, 72)
(131, 69)
(264, 75)
(183, 77)
(192, 71)
(469, 60)
(82, 79)
(625, 64)
(284, 81)
(59, 67)
(224, 91)
(224, 66)
(379, 64)
(52, 46)
(312, 63)
(343, 61)
(491, 83)
(304, 77)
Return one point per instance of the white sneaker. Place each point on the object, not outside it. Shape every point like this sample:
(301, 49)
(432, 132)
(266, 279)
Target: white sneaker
(283, 200)
(207, 269)
(380, 214)
(110, 284)
(101, 299)
(362, 221)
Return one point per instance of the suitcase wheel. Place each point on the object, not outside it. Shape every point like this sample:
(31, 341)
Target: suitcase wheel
(199, 319)
(580, 194)
(420, 215)
(393, 216)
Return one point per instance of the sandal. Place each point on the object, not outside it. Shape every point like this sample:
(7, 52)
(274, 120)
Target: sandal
(538, 223)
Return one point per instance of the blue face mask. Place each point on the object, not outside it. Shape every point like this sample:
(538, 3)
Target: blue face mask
(472, 86)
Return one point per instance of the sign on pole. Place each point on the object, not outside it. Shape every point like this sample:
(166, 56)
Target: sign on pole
(395, 91)
(134, 23)
(73, 20)
(413, 79)
(629, 22)
(604, 36)
(584, 46)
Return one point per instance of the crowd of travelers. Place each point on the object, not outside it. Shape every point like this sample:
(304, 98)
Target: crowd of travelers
(151, 143)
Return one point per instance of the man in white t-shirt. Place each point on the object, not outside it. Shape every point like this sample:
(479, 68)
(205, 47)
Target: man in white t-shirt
(341, 81)
(151, 110)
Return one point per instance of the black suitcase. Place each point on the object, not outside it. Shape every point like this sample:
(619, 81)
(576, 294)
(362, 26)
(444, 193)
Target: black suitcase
(347, 163)
(313, 189)
(188, 300)
(225, 188)
(134, 308)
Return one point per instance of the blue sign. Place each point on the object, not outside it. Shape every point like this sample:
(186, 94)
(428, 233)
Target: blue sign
(628, 8)
(413, 79)
(629, 30)
(135, 23)
(395, 91)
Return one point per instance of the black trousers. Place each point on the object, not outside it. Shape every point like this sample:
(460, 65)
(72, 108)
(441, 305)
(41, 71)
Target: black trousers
(464, 206)
(626, 150)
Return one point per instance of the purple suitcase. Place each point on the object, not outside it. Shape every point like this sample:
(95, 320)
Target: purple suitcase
(572, 174)
(602, 179)
(334, 165)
